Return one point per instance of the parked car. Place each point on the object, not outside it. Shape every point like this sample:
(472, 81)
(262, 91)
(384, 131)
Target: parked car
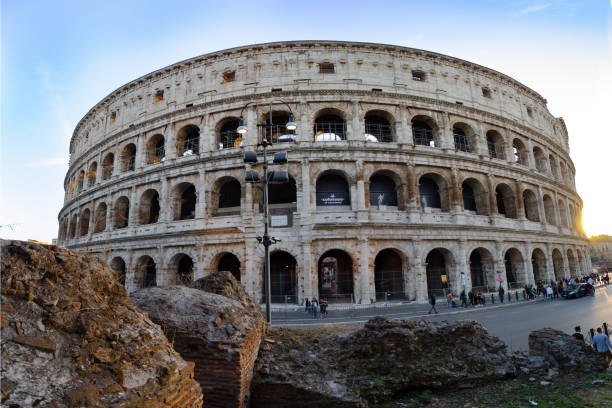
(576, 291)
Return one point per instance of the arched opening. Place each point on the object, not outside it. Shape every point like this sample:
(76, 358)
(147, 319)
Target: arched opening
(474, 197)
(495, 144)
(128, 157)
(554, 166)
(518, 150)
(283, 277)
(332, 190)
(462, 134)
(558, 268)
(229, 262)
(84, 222)
(515, 274)
(336, 276)
(282, 202)
(540, 159)
(276, 131)
(73, 226)
(482, 270)
(432, 193)
(185, 199)
(149, 207)
(118, 265)
(538, 264)
(229, 197)
(504, 197)
(383, 191)
(156, 149)
(92, 173)
(285, 193)
(423, 131)
(145, 275)
(571, 261)
(549, 210)
(530, 203)
(562, 213)
(122, 212)
(378, 127)
(80, 180)
(438, 270)
(107, 166)
(100, 218)
(388, 275)
(183, 265)
(188, 140)
(329, 126)
(580, 263)
(229, 138)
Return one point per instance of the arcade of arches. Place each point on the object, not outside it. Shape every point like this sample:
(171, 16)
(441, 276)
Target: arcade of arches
(392, 273)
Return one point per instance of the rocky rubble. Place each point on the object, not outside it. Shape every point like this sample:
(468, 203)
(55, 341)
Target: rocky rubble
(72, 338)
(216, 332)
(373, 364)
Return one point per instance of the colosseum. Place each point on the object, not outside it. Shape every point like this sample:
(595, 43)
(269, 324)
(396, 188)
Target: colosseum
(410, 173)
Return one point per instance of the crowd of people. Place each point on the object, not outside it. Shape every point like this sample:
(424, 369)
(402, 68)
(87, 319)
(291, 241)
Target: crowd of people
(600, 342)
(316, 307)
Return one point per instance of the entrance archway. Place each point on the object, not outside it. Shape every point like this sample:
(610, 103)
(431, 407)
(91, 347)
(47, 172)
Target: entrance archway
(438, 270)
(388, 275)
(336, 276)
(229, 262)
(146, 272)
(513, 263)
(481, 270)
(538, 264)
(118, 265)
(283, 277)
(558, 264)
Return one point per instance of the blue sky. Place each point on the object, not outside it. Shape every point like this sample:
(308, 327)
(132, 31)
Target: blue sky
(60, 58)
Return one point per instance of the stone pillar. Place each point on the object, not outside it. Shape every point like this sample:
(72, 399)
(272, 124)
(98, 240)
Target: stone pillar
(419, 273)
(480, 141)
(463, 265)
(455, 196)
(492, 196)
(200, 211)
(165, 211)
(529, 276)
(550, 270)
(499, 265)
(360, 197)
(141, 152)
(109, 214)
(251, 277)
(541, 208)
(355, 125)
(170, 142)
(404, 128)
(565, 265)
(306, 207)
(531, 157)
(413, 189)
(308, 275)
(133, 218)
(520, 208)
(446, 133)
(304, 130)
(251, 139)
(366, 276)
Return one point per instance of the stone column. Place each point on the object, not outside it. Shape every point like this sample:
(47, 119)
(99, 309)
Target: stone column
(141, 152)
(499, 265)
(308, 275)
(366, 288)
(492, 196)
(463, 266)
(455, 195)
(520, 208)
(306, 207)
(413, 190)
(109, 214)
(355, 125)
(170, 142)
(550, 270)
(251, 139)
(480, 139)
(541, 208)
(565, 265)
(446, 133)
(531, 157)
(165, 211)
(304, 130)
(251, 278)
(404, 128)
(419, 273)
(200, 211)
(529, 276)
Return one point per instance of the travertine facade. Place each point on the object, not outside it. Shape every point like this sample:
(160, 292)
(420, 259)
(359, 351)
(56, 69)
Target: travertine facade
(411, 167)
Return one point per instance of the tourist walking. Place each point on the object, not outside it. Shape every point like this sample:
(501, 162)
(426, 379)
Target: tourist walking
(471, 295)
(463, 298)
(577, 334)
(501, 293)
(432, 302)
(307, 305)
(315, 306)
(602, 344)
(549, 292)
(449, 300)
(323, 307)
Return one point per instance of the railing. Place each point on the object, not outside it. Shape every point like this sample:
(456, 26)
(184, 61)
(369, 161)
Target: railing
(461, 144)
(278, 134)
(129, 163)
(382, 132)
(541, 165)
(496, 151)
(107, 171)
(190, 146)
(329, 131)
(423, 137)
(229, 139)
(157, 155)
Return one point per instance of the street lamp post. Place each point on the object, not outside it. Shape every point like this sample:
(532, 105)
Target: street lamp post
(250, 157)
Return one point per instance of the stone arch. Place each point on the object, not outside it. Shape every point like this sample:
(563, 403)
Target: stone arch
(80, 180)
(439, 268)
(332, 189)
(100, 218)
(182, 267)
(514, 266)
(283, 277)
(572, 263)
(128, 157)
(145, 272)
(425, 131)
(540, 159)
(379, 126)
(121, 212)
(73, 226)
(558, 267)
(227, 196)
(538, 265)
(464, 137)
(188, 140)
(84, 219)
(549, 210)
(519, 152)
(388, 274)
(554, 166)
(285, 193)
(228, 261)
(433, 192)
(496, 145)
(184, 200)
(482, 269)
(335, 275)
(329, 125)
(92, 173)
(530, 203)
(475, 197)
(387, 183)
(505, 199)
(156, 149)
(227, 134)
(149, 207)
(117, 264)
(108, 164)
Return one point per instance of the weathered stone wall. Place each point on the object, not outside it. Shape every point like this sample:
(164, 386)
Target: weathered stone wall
(368, 78)
(72, 338)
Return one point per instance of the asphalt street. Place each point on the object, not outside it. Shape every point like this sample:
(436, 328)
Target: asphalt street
(511, 322)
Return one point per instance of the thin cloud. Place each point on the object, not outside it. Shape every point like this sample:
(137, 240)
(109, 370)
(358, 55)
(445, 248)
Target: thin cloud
(59, 161)
(534, 8)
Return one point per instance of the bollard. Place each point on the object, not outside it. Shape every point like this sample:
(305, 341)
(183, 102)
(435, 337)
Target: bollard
(605, 328)
(492, 299)
(524, 295)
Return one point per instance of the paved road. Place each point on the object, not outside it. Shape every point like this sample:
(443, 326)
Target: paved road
(512, 323)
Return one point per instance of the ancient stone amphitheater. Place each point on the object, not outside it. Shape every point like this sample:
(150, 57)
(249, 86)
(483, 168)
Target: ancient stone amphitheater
(411, 173)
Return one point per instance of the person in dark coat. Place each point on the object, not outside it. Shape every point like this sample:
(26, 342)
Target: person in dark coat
(432, 302)
(471, 295)
(501, 292)
(577, 334)
(463, 298)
